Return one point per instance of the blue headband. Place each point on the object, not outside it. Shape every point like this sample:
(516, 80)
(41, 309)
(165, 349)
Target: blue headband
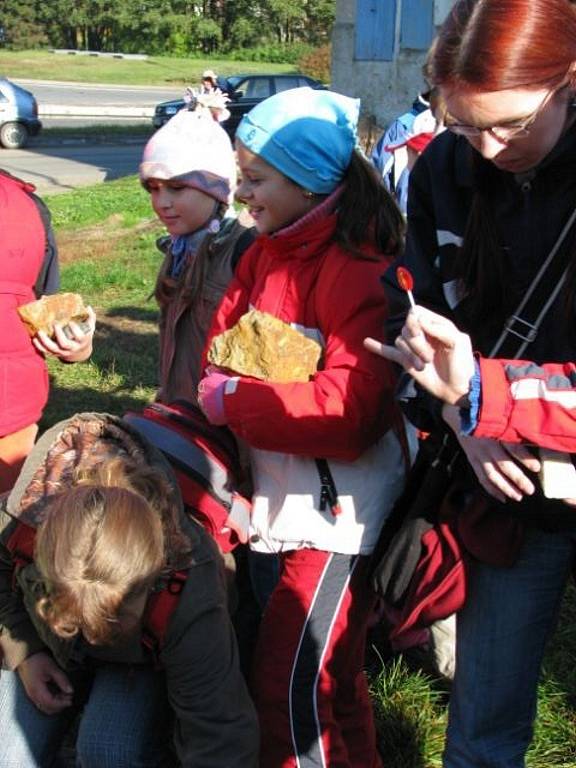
(307, 135)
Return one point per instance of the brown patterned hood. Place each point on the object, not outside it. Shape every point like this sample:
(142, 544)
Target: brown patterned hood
(82, 442)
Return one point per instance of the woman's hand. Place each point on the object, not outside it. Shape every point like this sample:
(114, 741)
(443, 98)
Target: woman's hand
(498, 466)
(46, 685)
(434, 352)
(69, 350)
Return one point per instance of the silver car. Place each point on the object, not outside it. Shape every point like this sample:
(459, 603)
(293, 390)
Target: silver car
(18, 115)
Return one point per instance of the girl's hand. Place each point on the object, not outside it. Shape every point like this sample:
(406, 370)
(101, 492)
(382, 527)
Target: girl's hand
(211, 395)
(434, 352)
(69, 350)
(238, 520)
(496, 464)
(46, 685)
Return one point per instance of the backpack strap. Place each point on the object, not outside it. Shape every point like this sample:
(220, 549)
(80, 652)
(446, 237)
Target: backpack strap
(20, 544)
(161, 605)
(42, 281)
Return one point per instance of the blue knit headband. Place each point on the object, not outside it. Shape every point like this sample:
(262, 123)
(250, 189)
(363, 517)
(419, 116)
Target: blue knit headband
(307, 135)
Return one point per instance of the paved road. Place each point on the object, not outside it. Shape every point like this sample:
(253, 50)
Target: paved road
(62, 168)
(85, 103)
(67, 166)
(85, 95)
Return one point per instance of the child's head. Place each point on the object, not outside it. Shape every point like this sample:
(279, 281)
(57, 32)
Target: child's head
(100, 549)
(294, 149)
(298, 147)
(189, 168)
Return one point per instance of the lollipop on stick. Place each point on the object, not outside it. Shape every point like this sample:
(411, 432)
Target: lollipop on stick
(406, 282)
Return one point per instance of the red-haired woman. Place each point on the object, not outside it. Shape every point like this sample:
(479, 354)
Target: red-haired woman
(487, 202)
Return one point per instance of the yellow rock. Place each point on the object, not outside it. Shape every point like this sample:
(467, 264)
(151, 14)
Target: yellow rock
(262, 346)
(59, 308)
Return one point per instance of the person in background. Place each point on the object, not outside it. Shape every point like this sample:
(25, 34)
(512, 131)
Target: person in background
(209, 89)
(28, 270)
(328, 454)
(487, 203)
(404, 153)
(398, 130)
(209, 82)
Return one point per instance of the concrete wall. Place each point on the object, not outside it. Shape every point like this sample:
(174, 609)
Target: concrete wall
(387, 88)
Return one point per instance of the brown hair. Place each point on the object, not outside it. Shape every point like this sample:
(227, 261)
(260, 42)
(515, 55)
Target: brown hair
(367, 211)
(495, 45)
(101, 543)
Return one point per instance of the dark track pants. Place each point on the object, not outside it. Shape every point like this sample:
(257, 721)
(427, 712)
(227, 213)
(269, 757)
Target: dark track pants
(310, 689)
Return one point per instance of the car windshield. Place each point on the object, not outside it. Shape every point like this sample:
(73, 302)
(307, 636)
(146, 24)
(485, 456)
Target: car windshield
(232, 83)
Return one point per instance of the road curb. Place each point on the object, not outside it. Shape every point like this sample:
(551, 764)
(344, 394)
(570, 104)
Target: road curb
(61, 110)
(58, 141)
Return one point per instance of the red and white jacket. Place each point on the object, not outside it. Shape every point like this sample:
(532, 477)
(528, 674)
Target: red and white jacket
(345, 413)
(529, 403)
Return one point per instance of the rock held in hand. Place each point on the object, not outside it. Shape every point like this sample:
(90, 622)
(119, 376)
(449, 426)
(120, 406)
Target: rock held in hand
(262, 346)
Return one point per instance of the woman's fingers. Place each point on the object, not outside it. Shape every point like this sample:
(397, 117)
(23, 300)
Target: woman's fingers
(496, 470)
(433, 325)
(524, 456)
(384, 350)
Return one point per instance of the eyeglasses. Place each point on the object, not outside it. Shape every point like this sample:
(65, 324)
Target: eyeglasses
(503, 132)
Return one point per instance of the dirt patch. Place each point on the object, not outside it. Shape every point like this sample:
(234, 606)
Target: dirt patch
(99, 241)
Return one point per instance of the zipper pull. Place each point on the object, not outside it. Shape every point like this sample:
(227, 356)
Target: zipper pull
(328, 492)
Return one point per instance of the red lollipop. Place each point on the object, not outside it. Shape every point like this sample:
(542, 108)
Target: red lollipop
(406, 282)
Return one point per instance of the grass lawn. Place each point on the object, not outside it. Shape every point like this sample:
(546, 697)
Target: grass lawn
(157, 70)
(106, 236)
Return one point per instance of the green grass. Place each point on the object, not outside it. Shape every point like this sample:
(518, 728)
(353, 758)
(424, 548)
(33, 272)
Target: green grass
(124, 198)
(410, 715)
(157, 70)
(106, 235)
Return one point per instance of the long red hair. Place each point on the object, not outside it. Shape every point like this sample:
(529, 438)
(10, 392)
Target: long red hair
(495, 45)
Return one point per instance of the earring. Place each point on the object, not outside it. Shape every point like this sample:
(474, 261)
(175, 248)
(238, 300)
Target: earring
(308, 194)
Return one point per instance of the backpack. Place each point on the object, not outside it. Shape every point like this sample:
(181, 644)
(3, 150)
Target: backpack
(205, 460)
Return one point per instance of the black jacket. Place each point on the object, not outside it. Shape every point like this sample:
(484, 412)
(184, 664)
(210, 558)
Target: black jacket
(529, 211)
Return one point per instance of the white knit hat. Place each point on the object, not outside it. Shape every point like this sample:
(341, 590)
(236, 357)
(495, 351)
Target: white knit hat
(194, 149)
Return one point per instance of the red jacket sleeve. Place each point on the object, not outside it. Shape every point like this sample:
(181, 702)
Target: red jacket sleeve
(529, 403)
(348, 404)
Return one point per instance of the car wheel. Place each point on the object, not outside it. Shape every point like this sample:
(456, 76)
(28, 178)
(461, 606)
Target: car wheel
(13, 135)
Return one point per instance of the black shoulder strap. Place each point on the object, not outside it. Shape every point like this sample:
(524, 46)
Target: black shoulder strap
(45, 216)
(522, 327)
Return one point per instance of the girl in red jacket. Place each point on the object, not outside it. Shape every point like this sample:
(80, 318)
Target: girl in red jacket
(327, 462)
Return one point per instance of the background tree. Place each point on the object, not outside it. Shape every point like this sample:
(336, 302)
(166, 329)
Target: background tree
(183, 27)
